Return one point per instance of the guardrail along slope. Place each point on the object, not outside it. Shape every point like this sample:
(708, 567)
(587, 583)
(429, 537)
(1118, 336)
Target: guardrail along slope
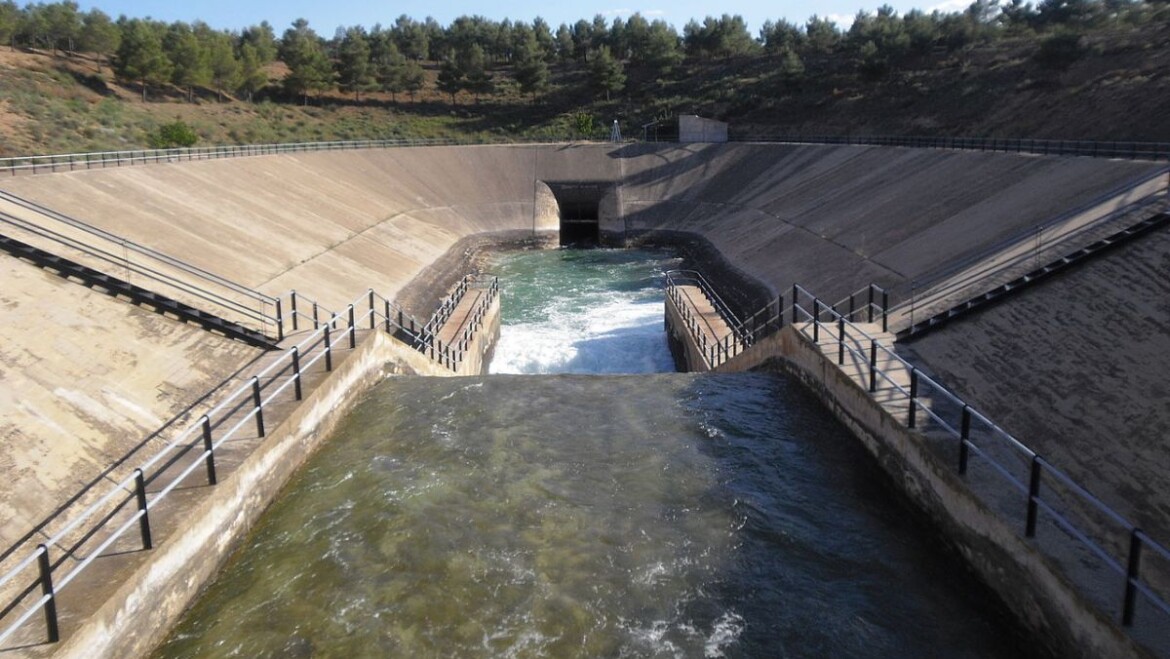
(1078, 364)
(83, 379)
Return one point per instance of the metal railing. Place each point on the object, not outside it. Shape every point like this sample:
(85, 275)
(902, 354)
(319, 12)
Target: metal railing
(176, 278)
(1084, 536)
(719, 349)
(1129, 150)
(127, 504)
(870, 303)
(1043, 237)
(874, 305)
(191, 449)
(423, 337)
(451, 353)
(103, 159)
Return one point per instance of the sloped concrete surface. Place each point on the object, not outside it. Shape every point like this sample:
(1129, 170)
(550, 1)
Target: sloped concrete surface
(84, 379)
(835, 219)
(1076, 368)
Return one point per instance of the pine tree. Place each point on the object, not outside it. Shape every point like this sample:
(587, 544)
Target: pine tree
(477, 79)
(309, 68)
(262, 38)
(605, 73)
(450, 79)
(189, 59)
(353, 63)
(531, 70)
(661, 51)
(62, 24)
(140, 56)
(99, 36)
(564, 43)
(413, 78)
(9, 22)
(221, 57)
(390, 71)
(253, 77)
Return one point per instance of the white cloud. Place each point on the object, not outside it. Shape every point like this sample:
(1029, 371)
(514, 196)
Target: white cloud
(950, 6)
(843, 21)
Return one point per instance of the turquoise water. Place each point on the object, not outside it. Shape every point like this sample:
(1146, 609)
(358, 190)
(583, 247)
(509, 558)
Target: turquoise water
(583, 311)
(564, 515)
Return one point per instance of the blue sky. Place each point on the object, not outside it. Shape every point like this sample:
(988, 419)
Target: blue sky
(325, 17)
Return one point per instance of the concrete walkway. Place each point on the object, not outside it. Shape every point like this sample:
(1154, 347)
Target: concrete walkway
(712, 327)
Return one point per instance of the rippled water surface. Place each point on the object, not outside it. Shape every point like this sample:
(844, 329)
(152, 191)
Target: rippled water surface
(662, 515)
(653, 515)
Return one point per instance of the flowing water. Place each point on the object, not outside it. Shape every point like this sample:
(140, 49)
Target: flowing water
(583, 311)
(655, 515)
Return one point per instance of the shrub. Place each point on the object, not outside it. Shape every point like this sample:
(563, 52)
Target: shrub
(175, 134)
(1060, 51)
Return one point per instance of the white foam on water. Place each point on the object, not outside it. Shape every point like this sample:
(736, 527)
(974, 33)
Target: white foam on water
(727, 630)
(620, 334)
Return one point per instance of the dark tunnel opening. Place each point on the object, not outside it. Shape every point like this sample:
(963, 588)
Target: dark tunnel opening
(579, 205)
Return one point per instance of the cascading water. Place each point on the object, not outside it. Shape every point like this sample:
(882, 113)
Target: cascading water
(583, 311)
(655, 515)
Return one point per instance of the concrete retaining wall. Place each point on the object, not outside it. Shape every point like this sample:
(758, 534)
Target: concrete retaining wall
(1026, 581)
(144, 608)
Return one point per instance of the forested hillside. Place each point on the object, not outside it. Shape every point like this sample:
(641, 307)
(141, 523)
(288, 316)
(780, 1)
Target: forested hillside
(1090, 69)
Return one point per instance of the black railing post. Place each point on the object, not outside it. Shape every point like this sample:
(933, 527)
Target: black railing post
(816, 320)
(1033, 497)
(795, 302)
(144, 519)
(1131, 577)
(373, 321)
(386, 315)
(208, 446)
(259, 405)
(328, 351)
(840, 341)
(279, 322)
(296, 364)
(885, 311)
(964, 438)
(316, 324)
(872, 366)
(870, 303)
(47, 589)
(352, 330)
(292, 303)
(913, 397)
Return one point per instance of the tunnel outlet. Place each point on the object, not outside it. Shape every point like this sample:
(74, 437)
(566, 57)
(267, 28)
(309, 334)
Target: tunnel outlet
(579, 211)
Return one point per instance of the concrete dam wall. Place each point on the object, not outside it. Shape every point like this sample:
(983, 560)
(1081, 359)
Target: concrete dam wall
(332, 224)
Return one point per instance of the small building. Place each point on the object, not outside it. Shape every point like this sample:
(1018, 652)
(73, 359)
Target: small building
(685, 128)
(692, 128)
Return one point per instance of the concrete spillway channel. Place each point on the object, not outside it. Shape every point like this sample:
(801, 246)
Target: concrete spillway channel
(87, 380)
